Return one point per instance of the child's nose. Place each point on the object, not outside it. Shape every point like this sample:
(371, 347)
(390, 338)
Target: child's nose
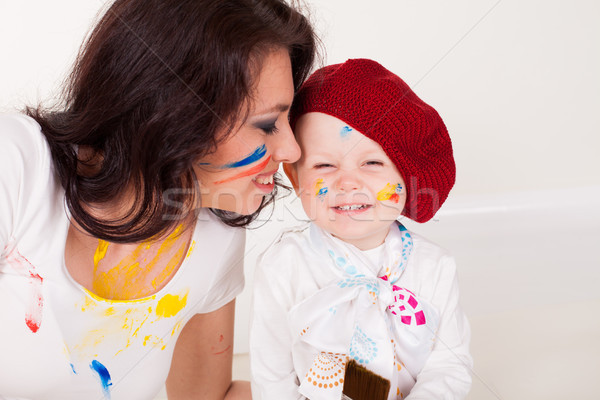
(348, 181)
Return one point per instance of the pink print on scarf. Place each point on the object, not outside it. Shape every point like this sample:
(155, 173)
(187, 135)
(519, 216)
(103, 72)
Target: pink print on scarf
(33, 315)
(402, 299)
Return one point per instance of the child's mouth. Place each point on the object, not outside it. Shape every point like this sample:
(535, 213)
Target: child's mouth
(351, 208)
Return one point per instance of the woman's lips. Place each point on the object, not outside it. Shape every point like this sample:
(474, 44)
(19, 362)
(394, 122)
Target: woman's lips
(265, 182)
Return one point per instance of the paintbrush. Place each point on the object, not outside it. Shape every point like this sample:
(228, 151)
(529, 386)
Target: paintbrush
(362, 384)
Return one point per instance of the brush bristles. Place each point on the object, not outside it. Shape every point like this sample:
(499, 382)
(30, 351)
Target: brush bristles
(362, 384)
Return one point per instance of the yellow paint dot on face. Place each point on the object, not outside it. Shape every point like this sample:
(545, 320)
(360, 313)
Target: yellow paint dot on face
(169, 305)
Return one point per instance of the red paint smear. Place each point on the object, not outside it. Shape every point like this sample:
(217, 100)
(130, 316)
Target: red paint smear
(254, 170)
(221, 338)
(221, 352)
(33, 316)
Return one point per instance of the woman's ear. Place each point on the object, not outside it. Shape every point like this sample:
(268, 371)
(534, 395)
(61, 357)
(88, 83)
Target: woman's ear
(292, 174)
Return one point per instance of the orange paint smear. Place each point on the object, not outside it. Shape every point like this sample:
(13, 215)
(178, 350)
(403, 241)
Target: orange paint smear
(254, 170)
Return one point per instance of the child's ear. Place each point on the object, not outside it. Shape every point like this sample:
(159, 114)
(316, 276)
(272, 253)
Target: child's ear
(292, 174)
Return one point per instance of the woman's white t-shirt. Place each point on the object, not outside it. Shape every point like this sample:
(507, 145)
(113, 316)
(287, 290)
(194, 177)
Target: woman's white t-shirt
(58, 340)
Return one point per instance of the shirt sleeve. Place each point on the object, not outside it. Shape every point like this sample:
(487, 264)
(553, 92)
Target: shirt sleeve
(447, 373)
(271, 363)
(21, 156)
(228, 278)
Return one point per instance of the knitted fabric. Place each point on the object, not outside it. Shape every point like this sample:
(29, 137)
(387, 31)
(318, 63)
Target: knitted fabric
(381, 106)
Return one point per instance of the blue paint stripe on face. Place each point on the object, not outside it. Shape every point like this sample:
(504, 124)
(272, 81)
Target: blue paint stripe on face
(104, 376)
(252, 158)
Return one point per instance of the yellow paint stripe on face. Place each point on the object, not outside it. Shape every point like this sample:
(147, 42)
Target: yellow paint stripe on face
(169, 305)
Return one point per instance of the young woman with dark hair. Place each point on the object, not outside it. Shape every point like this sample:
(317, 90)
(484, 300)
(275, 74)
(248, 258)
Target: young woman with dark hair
(121, 212)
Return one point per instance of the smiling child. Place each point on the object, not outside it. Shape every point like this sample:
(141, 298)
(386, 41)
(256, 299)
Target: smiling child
(354, 283)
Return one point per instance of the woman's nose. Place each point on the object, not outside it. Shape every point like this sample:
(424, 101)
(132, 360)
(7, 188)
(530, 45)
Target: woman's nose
(284, 147)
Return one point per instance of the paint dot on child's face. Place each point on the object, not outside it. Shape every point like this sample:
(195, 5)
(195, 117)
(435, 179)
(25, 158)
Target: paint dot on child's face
(390, 192)
(345, 132)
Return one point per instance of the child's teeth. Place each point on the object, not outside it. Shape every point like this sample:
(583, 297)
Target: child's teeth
(352, 207)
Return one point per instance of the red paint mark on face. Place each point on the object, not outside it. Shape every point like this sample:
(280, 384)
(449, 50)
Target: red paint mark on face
(221, 338)
(221, 352)
(33, 315)
(254, 170)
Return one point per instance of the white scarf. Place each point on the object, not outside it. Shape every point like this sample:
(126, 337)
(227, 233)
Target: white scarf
(363, 316)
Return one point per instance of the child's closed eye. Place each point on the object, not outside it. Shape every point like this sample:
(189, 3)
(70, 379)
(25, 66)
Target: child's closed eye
(374, 163)
(322, 165)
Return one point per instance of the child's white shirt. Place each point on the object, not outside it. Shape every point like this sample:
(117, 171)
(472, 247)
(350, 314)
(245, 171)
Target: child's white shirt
(293, 270)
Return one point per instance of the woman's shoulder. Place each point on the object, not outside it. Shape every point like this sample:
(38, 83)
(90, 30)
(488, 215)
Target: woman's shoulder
(22, 142)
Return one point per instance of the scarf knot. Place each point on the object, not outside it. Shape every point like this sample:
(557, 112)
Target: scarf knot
(365, 315)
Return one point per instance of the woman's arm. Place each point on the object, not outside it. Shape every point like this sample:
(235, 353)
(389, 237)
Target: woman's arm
(201, 366)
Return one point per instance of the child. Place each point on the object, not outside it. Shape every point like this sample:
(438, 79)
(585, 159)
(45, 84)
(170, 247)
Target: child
(355, 283)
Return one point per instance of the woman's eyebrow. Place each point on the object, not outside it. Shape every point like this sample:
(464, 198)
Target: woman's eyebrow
(277, 108)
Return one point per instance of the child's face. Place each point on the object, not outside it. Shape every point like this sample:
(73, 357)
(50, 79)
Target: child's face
(347, 184)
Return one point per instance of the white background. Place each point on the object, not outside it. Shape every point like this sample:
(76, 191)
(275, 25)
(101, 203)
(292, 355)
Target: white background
(517, 84)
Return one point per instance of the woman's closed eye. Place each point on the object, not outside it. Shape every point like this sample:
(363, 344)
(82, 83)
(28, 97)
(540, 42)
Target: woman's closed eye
(268, 127)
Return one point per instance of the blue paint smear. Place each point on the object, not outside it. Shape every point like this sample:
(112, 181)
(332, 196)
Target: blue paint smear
(255, 156)
(73, 368)
(322, 192)
(104, 376)
(345, 131)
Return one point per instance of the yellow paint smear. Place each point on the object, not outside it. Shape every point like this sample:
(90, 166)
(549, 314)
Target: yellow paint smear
(129, 279)
(169, 305)
(191, 249)
(387, 192)
(100, 252)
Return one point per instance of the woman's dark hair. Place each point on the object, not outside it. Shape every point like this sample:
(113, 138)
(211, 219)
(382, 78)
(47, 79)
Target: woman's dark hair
(153, 85)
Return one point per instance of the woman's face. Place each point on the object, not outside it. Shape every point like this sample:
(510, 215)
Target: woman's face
(240, 172)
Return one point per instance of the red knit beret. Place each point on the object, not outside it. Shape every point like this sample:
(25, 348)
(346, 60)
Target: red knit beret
(381, 106)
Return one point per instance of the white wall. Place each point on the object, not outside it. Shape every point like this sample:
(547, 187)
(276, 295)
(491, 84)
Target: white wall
(515, 81)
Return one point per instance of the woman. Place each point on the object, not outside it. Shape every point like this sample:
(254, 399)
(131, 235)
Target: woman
(121, 248)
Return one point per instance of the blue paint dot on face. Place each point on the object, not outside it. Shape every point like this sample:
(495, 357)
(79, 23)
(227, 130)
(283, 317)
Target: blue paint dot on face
(104, 376)
(73, 368)
(345, 132)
